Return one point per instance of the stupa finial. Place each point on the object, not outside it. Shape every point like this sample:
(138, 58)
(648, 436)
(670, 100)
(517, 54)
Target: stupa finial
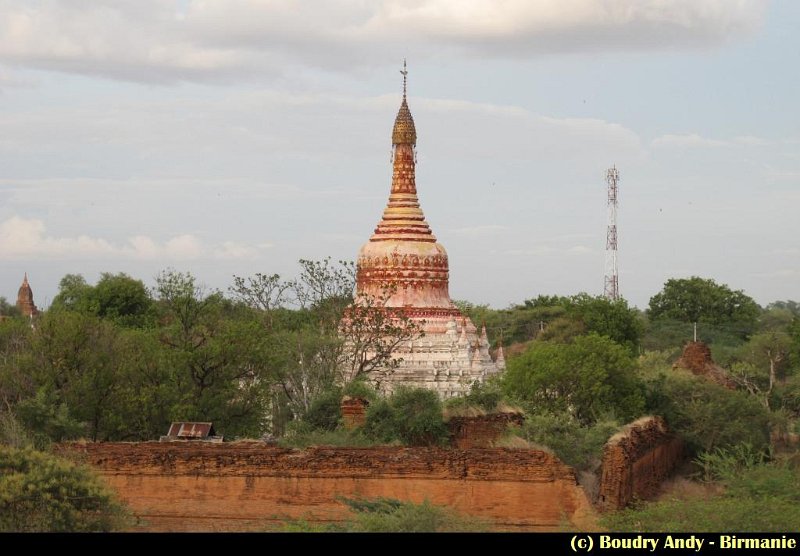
(404, 71)
(404, 132)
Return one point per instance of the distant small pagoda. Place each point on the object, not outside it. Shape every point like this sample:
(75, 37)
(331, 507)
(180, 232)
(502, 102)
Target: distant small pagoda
(25, 302)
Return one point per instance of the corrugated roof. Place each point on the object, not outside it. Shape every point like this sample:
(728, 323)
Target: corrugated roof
(188, 429)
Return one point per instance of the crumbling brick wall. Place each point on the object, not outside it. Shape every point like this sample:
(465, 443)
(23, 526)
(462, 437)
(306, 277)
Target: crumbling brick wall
(248, 486)
(481, 431)
(696, 357)
(636, 461)
(354, 412)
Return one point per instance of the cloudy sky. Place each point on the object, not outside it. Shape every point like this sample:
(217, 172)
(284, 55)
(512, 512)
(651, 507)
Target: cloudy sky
(231, 137)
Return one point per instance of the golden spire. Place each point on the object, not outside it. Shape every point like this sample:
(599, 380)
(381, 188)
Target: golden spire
(404, 132)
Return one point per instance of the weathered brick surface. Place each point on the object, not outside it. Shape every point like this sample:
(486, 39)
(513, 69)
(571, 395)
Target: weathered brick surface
(636, 461)
(481, 431)
(696, 357)
(249, 486)
(354, 412)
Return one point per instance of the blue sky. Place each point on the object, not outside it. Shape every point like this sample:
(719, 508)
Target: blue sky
(234, 137)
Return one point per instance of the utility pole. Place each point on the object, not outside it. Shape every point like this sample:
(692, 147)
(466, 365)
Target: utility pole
(611, 289)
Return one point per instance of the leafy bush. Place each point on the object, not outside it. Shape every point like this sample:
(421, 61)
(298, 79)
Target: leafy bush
(41, 492)
(380, 423)
(589, 377)
(360, 389)
(325, 411)
(727, 463)
(484, 395)
(575, 444)
(411, 415)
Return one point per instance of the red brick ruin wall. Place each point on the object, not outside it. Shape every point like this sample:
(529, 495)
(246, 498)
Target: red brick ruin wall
(252, 486)
(636, 461)
(481, 431)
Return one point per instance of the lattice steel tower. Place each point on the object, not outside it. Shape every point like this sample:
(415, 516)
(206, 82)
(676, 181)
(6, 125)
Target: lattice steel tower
(611, 290)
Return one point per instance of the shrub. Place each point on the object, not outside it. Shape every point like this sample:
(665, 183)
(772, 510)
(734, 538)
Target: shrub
(575, 444)
(380, 423)
(41, 492)
(360, 389)
(485, 395)
(12, 433)
(706, 415)
(411, 415)
(325, 411)
(727, 463)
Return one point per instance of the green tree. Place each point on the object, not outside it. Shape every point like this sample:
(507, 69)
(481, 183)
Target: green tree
(371, 334)
(763, 364)
(698, 299)
(77, 360)
(41, 492)
(265, 293)
(218, 354)
(123, 299)
(587, 378)
(561, 319)
(605, 317)
(115, 297)
(74, 294)
(7, 309)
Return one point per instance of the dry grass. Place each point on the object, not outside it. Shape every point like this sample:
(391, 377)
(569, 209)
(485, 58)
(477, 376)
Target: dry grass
(463, 411)
(514, 441)
(683, 488)
(625, 430)
(477, 411)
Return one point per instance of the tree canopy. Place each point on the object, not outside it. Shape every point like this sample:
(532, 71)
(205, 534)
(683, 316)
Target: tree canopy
(116, 297)
(698, 299)
(591, 376)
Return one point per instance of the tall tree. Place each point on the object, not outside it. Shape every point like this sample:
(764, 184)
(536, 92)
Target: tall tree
(221, 362)
(763, 365)
(586, 378)
(116, 297)
(698, 299)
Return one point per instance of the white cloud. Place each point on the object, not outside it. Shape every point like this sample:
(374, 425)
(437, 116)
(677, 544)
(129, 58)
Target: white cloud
(233, 250)
(184, 136)
(154, 40)
(22, 238)
(688, 140)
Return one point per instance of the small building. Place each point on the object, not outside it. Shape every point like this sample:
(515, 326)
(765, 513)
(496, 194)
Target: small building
(190, 431)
